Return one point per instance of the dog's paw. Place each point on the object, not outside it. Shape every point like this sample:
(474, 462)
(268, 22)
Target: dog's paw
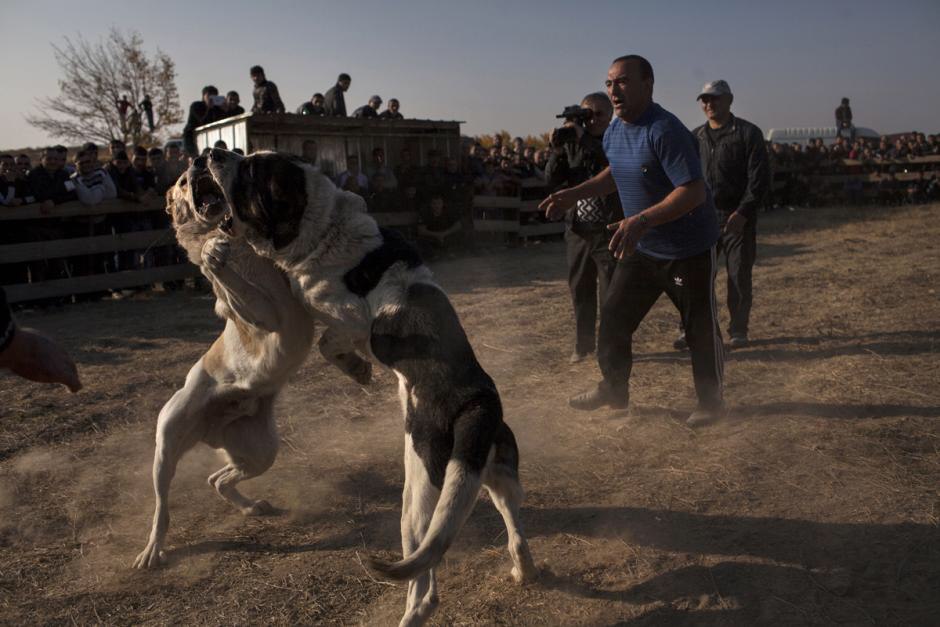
(215, 253)
(151, 557)
(260, 508)
(524, 575)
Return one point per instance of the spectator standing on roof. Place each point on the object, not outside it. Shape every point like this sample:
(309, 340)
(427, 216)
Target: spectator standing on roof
(267, 98)
(334, 101)
(844, 125)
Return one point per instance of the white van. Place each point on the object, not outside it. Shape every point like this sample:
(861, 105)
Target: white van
(803, 135)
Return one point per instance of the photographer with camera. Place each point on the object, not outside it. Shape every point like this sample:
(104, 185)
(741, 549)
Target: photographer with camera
(577, 154)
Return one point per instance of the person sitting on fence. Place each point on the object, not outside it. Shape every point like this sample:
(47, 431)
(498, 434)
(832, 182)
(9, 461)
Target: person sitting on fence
(369, 110)
(267, 98)
(380, 198)
(146, 181)
(379, 166)
(314, 106)
(49, 182)
(439, 228)
(232, 105)
(92, 183)
(353, 179)
(392, 111)
(334, 101)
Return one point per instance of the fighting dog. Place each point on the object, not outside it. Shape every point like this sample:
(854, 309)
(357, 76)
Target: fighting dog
(228, 397)
(372, 288)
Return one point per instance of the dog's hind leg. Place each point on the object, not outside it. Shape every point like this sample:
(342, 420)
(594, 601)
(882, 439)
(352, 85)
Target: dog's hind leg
(251, 445)
(177, 432)
(341, 352)
(418, 500)
(501, 479)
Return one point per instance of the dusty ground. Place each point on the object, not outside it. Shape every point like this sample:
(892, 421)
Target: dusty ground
(815, 502)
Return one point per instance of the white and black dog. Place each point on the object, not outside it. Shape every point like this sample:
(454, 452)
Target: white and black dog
(228, 399)
(373, 289)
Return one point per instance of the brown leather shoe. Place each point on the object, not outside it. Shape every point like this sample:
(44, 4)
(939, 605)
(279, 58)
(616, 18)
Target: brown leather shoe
(597, 398)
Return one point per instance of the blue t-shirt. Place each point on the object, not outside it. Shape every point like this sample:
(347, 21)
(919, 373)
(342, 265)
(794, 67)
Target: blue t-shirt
(649, 159)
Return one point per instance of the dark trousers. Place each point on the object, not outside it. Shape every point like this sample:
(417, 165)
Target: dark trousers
(636, 285)
(740, 251)
(590, 265)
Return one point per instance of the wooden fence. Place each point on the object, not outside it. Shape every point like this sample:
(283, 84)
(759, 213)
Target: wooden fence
(72, 248)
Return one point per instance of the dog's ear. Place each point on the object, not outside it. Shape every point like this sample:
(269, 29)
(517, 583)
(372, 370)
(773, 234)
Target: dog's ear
(270, 194)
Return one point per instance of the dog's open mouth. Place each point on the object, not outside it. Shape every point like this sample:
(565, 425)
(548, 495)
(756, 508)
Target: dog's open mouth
(207, 196)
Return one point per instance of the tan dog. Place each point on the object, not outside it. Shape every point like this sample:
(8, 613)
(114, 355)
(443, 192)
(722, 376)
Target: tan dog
(229, 394)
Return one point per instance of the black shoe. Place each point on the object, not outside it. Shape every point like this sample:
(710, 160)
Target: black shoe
(680, 344)
(597, 398)
(738, 340)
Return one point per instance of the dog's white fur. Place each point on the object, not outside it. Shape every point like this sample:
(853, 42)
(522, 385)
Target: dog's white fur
(335, 233)
(228, 397)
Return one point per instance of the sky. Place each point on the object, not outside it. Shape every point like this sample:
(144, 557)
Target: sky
(513, 65)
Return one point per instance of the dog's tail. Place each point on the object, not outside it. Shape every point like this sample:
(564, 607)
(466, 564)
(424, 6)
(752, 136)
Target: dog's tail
(458, 496)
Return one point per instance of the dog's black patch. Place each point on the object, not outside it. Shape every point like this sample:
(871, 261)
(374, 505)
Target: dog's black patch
(458, 414)
(270, 195)
(368, 272)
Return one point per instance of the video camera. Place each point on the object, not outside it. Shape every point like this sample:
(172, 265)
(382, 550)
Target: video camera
(566, 134)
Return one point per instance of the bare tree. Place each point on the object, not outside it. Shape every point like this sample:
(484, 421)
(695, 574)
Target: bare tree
(97, 77)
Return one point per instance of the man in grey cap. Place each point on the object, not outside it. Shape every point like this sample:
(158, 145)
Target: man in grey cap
(736, 168)
(370, 110)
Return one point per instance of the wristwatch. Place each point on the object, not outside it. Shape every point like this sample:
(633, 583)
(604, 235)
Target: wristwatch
(643, 220)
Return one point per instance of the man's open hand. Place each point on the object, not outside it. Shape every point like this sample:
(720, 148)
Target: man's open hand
(556, 204)
(627, 234)
(735, 223)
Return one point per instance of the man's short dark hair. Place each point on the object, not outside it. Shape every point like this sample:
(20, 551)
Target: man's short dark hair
(155, 152)
(121, 155)
(6, 156)
(646, 70)
(256, 69)
(318, 95)
(116, 142)
(343, 77)
(92, 146)
(395, 100)
(48, 150)
(23, 156)
(140, 151)
(220, 144)
(232, 93)
(599, 96)
(210, 90)
(238, 151)
(60, 148)
(378, 149)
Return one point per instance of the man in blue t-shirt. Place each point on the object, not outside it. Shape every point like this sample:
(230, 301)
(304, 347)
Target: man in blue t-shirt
(665, 243)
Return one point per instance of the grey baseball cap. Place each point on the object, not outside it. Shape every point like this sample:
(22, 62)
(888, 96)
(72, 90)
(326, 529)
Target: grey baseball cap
(715, 88)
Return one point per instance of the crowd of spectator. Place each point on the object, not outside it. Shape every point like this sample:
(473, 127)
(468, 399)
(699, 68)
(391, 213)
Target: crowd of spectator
(878, 171)
(134, 175)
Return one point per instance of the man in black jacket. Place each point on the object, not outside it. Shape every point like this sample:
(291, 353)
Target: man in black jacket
(267, 98)
(735, 163)
(590, 263)
(200, 112)
(334, 101)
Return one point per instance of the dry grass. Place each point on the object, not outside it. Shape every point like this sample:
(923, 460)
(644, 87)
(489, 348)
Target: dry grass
(815, 502)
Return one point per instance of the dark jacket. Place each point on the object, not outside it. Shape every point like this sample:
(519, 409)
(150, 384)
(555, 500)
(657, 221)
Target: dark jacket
(577, 163)
(365, 111)
(334, 102)
(308, 108)
(46, 185)
(843, 116)
(267, 99)
(388, 115)
(736, 166)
